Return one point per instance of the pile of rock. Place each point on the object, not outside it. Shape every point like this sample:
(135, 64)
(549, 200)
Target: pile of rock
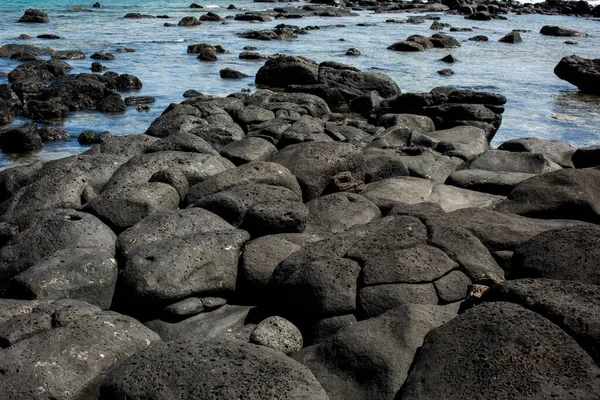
(320, 257)
(448, 108)
(338, 84)
(44, 91)
(420, 43)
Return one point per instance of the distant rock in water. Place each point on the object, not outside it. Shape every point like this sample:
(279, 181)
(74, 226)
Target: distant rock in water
(211, 16)
(249, 55)
(284, 33)
(102, 56)
(229, 73)
(512, 37)
(137, 16)
(189, 21)
(353, 52)
(97, 67)
(406, 45)
(420, 43)
(8, 50)
(48, 36)
(206, 52)
(480, 16)
(446, 72)
(479, 38)
(68, 55)
(549, 30)
(581, 72)
(36, 16)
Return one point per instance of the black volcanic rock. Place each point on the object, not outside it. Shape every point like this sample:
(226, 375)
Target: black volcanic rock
(211, 370)
(33, 15)
(21, 140)
(581, 72)
(505, 351)
(549, 30)
(229, 73)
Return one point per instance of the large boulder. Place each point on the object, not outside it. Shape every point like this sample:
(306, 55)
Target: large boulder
(504, 351)
(383, 163)
(258, 172)
(37, 190)
(285, 70)
(386, 193)
(211, 370)
(50, 231)
(194, 166)
(71, 359)
(180, 118)
(552, 30)
(586, 157)
(178, 267)
(568, 254)
(157, 227)
(351, 82)
(248, 150)
(239, 205)
(371, 359)
(564, 194)
(507, 161)
(84, 274)
(127, 145)
(288, 104)
(260, 258)
(339, 212)
(581, 72)
(124, 206)
(556, 151)
(481, 180)
(574, 306)
(315, 164)
(34, 15)
(500, 231)
(466, 142)
(183, 141)
(465, 249)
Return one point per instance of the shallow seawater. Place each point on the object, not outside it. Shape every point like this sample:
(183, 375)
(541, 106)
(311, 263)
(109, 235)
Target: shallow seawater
(539, 104)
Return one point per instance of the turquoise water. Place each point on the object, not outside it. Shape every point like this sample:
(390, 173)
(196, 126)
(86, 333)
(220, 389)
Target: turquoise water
(539, 104)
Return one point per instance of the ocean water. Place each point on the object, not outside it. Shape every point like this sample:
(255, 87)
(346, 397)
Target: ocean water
(539, 104)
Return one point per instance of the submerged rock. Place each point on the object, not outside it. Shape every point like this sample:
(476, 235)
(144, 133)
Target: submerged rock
(549, 30)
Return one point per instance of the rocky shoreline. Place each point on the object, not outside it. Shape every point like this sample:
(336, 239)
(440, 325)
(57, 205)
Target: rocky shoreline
(318, 256)
(326, 237)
